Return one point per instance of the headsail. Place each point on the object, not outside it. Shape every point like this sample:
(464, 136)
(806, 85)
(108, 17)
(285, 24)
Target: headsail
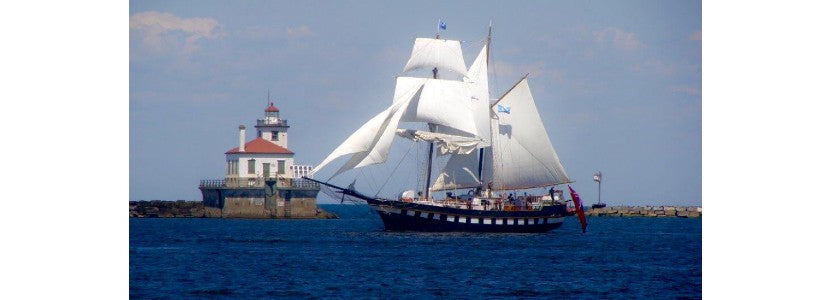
(436, 53)
(523, 156)
(371, 142)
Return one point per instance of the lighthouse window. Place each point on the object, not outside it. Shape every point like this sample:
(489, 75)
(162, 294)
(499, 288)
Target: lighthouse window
(275, 136)
(233, 167)
(251, 166)
(281, 166)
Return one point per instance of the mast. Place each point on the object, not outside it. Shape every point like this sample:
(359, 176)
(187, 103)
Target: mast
(481, 150)
(431, 129)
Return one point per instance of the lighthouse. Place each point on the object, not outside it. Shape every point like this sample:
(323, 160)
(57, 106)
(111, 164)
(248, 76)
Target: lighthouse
(261, 179)
(266, 156)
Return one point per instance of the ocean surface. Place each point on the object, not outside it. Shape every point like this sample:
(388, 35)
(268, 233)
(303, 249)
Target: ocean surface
(353, 257)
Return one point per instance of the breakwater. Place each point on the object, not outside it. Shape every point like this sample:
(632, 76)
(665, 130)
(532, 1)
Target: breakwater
(197, 209)
(647, 211)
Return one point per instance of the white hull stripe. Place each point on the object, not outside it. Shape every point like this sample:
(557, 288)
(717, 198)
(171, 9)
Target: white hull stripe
(472, 220)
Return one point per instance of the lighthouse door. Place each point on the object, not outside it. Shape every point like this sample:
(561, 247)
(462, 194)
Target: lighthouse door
(266, 170)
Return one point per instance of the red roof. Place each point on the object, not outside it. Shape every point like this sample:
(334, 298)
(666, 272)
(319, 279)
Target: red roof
(272, 108)
(261, 146)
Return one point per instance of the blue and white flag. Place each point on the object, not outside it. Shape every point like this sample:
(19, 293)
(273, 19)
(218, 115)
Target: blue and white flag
(504, 109)
(442, 25)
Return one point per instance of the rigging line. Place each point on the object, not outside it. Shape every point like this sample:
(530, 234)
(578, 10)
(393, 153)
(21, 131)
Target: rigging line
(372, 174)
(372, 177)
(366, 178)
(396, 168)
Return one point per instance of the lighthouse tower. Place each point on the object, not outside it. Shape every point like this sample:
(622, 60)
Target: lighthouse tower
(272, 128)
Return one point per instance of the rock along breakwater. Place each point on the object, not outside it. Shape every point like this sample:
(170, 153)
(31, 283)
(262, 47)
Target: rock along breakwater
(195, 209)
(647, 211)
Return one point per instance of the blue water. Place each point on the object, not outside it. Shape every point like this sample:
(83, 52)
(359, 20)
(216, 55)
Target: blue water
(353, 257)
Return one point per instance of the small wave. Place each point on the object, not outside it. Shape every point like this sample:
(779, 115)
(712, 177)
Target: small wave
(522, 293)
(258, 241)
(213, 292)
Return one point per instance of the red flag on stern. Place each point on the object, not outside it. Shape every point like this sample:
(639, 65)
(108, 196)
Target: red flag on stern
(579, 211)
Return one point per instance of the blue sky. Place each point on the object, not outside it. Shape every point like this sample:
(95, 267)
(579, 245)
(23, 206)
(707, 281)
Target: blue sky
(618, 84)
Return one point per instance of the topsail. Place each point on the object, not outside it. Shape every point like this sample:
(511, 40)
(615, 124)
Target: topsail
(436, 53)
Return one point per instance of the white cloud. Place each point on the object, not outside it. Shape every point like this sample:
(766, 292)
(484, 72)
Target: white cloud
(162, 31)
(269, 32)
(301, 31)
(655, 66)
(618, 38)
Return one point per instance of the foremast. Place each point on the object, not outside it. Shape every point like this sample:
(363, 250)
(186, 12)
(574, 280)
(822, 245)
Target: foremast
(431, 129)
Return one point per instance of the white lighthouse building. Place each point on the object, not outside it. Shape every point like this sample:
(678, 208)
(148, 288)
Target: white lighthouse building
(261, 180)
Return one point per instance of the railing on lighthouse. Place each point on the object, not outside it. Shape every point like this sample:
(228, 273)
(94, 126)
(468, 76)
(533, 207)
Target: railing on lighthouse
(264, 122)
(258, 182)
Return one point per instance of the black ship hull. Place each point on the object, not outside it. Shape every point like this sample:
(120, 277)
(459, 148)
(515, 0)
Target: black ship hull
(408, 216)
(403, 216)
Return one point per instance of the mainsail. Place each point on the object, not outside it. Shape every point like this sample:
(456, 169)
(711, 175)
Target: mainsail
(436, 53)
(523, 156)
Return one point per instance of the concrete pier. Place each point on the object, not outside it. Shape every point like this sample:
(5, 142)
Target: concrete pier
(193, 209)
(646, 211)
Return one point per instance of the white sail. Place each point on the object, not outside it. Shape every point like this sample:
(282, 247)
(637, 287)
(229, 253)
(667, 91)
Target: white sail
(523, 156)
(436, 53)
(371, 142)
(487, 166)
(480, 95)
(405, 87)
(379, 150)
(446, 143)
(441, 102)
(459, 173)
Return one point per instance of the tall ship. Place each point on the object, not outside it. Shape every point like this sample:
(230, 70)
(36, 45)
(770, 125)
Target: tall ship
(494, 149)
